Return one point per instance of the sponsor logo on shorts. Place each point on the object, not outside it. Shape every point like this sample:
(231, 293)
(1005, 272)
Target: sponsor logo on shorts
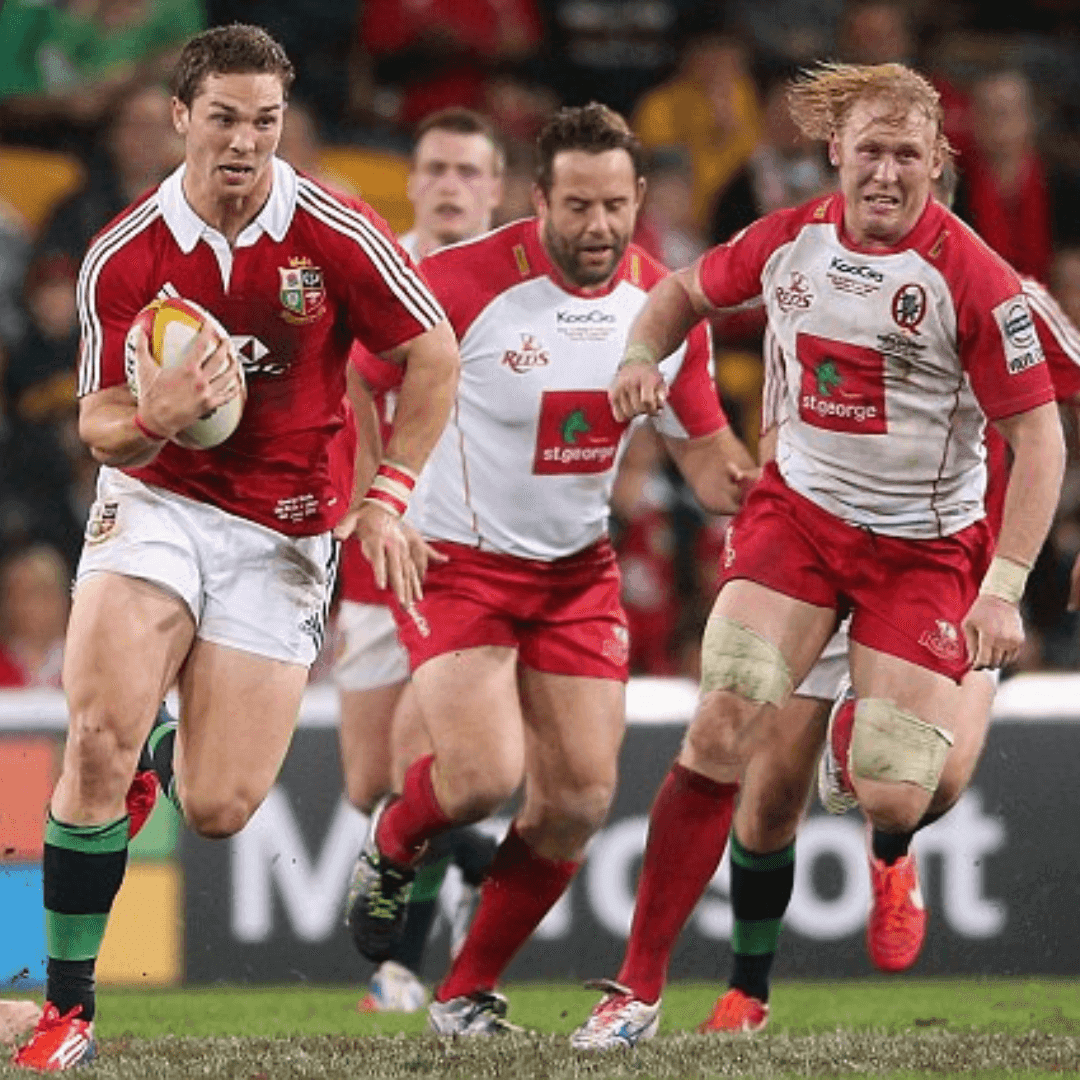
(102, 522)
(909, 305)
(576, 433)
(843, 386)
(423, 628)
(617, 647)
(592, 325)
(303, 291)
(796, 295)
(1018, 335)
(857, 279)
(943, 641)
(531, 355)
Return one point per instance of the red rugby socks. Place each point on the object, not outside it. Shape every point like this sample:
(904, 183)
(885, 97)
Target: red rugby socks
(521, 888)
(688, 828)
(413, 817)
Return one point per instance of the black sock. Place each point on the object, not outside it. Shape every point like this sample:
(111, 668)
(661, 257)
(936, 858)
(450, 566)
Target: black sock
(157, 754)
(761, 888)
(473, 851)
(82, 870)
(890, 846)
(423, 905)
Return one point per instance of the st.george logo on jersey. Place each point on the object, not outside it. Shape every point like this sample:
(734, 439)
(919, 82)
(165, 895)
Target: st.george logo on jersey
(843, 386)
(576, 433)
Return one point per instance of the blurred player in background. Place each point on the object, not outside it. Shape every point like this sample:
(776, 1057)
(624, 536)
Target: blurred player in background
(519, 645)
(455, 184)
(901, 336)
(214, 568)
(16, 1019)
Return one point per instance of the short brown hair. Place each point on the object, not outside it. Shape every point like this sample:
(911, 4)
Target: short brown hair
(237, 49)
(593, 128)
(460, 121)
(821, 98)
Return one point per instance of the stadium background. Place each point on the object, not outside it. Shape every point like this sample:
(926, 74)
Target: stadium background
(80, 123)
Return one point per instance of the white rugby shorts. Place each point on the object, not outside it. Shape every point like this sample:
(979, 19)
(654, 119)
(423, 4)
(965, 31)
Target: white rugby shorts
(825, 679)
(370, 653)
(246, 585)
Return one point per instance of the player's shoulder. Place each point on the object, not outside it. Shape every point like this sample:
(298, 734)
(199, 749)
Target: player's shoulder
(640, 268)
(502, 254)
(128, 226)
(784, 225)
(966, 261)
(336, 215)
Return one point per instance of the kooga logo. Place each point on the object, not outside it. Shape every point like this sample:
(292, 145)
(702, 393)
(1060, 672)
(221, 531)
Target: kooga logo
(594, 317)
(860, 270)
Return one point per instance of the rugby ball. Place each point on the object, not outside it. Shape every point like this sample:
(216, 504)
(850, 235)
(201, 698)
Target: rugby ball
(170, 323)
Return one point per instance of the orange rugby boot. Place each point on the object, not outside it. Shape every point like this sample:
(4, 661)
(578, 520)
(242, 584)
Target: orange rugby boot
(58, 1042)
(896, 928)
(736, 1011)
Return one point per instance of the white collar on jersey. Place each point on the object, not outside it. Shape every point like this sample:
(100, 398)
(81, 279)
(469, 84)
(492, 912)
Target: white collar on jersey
(188, 228)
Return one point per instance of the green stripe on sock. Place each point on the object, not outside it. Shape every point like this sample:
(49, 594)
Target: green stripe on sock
(73, 937)
(174, 797)
(89, 839)
(428, 881)
(757, 938)
(157, 733)
(775, 860)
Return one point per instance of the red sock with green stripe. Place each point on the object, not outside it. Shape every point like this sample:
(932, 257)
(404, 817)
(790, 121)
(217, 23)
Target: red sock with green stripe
(83, 867)
(760, 893)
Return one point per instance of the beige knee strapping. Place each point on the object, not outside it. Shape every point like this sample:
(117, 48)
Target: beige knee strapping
(735, 658)
(890, 744)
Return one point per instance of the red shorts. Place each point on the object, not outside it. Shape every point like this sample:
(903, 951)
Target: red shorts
(563, 616)
(907, 597)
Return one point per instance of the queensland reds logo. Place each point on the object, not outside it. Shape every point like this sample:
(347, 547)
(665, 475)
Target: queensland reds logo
(909, 306)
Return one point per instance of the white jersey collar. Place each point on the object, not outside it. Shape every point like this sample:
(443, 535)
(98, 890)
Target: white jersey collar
(188, 228)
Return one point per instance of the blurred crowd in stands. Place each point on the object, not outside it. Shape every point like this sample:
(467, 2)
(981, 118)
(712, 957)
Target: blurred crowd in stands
(85, 127)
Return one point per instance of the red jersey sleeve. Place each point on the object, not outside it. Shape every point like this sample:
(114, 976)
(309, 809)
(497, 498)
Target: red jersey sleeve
(692, 396)
(996, 337)
(730, 273)
(387, 299)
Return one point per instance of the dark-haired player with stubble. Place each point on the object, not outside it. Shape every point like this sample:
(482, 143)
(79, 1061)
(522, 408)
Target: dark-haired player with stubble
(213, 569)
(519, 645)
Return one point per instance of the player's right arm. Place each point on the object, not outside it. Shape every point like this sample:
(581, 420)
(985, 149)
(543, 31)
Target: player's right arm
(127, 433)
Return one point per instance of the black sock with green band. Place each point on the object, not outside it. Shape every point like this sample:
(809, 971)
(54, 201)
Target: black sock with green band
(760, 893)
(83, 867)
(423, 907)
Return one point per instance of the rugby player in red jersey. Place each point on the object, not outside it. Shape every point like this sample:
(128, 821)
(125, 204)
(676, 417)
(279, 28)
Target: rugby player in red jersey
(519, 645)
(213, 569)
(902, 337)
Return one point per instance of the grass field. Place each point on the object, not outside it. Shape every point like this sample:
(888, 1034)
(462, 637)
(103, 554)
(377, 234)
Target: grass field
(896, 1028)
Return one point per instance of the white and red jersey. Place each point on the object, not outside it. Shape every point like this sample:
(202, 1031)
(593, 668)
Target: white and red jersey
(310, 273)
(893, 361)
(1060, 341)
(526, 464)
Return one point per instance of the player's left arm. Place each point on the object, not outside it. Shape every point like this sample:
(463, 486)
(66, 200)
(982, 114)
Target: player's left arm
(993, 625)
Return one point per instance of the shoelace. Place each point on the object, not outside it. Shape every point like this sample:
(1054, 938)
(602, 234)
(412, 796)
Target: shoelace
(610, 1005)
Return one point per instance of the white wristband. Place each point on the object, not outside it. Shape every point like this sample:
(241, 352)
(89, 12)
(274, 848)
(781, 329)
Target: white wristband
(1005, 579)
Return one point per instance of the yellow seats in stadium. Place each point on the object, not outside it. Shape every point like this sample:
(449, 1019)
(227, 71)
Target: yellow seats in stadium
(33, 181)
(378, 177)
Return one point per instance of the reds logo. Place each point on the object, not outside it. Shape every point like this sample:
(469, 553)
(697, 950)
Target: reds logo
(796, 295)
(531, 355)
(617, 647)
(944, 642)
(909, 305)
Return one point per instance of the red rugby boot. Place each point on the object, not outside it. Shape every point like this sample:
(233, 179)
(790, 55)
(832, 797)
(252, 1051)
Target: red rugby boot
(58, 1042)
(140, 800)
(896, 928)
(736, 1011)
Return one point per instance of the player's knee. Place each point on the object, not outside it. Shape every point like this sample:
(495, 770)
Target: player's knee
(717, 733)
(364, 791)
(100, 744)
(479, 785)
(891, 746)
(736, 659)
(217, 816)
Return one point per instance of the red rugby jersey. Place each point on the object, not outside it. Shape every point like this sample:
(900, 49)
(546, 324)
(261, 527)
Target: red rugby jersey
(314, 271)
